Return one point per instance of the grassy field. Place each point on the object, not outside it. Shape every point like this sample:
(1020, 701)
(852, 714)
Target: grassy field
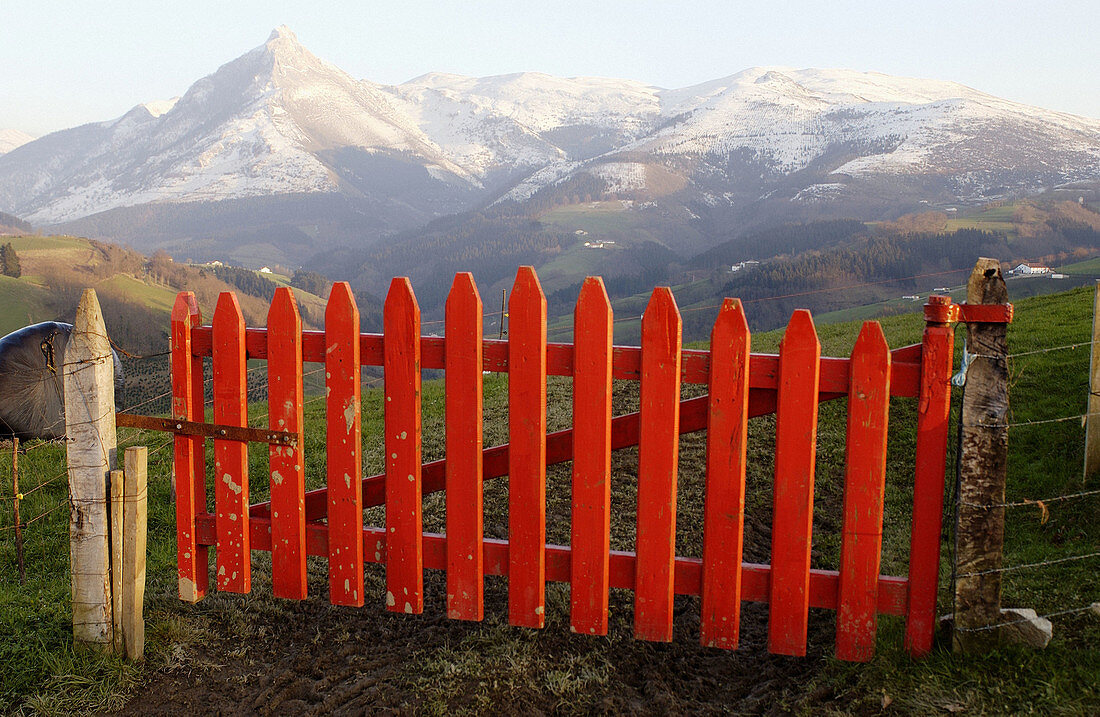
(23, 304)
(995, 219)
(254, 653)
(153, 296)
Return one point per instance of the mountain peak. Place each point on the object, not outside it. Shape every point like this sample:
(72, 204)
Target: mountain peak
(282, 32)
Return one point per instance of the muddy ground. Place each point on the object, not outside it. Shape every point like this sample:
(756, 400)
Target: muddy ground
(266, 657)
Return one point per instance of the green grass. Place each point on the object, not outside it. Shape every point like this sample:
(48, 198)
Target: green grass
(1089, 267)
(996, 219)
(592, 217)
(158, 298)
(42, 672)
(32, 243)
(23, 303)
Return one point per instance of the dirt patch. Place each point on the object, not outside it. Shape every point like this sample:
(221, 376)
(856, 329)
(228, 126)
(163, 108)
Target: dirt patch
(266, 656)
(275, 657)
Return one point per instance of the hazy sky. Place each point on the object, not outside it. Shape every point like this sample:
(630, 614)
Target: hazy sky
(67, 63)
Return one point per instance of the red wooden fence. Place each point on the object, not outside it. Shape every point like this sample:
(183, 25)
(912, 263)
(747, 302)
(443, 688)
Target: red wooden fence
(329, 521)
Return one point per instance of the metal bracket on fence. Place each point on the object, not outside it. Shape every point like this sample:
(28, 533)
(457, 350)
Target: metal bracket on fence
(959, 379)
(207, 430)
(968, 313)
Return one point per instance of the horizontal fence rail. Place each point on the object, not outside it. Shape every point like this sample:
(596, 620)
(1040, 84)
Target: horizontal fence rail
(328, 522)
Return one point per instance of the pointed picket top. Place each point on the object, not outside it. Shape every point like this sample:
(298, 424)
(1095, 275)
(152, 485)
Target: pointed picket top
(400, 297)
(185, 307)
(463, 293)
(661, 311)
(801, 335)
(731, 324)
(592, 299)
(227, 309)
(871, 341)
(526, 285)
(284, 306)
(341, 302)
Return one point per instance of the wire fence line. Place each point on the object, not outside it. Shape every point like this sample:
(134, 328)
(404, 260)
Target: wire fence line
(1043, 563)
(1093, 608)
(1042, 504)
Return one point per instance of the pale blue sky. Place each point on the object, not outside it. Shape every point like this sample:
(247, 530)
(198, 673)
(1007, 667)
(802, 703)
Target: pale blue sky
(66, 63)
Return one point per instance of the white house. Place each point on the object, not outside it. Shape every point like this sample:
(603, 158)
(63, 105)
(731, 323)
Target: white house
(1025, 268)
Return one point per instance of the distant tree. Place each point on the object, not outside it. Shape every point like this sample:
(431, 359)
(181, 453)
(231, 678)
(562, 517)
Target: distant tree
(312, 282)
(9, 261)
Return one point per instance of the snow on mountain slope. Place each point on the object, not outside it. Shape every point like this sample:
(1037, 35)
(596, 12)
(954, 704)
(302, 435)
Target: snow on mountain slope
(253, 128)
(527, 119)
(792, 115)
(12, 138)
(279, 120)
(159, 107)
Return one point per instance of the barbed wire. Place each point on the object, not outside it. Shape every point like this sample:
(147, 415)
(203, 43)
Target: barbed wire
(1032, 502)
(1039, 422)
(1043, 563)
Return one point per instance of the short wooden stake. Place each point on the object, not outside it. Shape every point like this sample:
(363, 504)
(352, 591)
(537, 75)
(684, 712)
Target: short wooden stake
(117, 570)
(983, 469)
(15, 509)
(89, 378)
(134, 525)
(1092, 420)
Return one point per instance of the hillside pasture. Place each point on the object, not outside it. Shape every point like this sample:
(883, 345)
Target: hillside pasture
(257, 654)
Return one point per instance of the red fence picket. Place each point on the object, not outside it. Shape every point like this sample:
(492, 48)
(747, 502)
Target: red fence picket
(591, 514)
(724, 505)
(343, 447)
(793, 502)
(527, 453)
(463, 407)
(190, 457)
(658, 449)
(328, 522)
(404, 549)
(234, 554)
(287, 464)
(864, 490)
(933, 409)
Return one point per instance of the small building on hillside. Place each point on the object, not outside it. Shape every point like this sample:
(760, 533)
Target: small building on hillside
(1027, 268)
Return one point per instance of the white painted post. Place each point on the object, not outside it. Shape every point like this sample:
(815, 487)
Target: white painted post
(90, 431)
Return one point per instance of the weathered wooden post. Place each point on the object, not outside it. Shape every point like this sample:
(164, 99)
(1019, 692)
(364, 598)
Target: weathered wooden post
(983, 465)
(1092, 420)
(114, 489)
(134, 526)
(90, 448)
(15, 509)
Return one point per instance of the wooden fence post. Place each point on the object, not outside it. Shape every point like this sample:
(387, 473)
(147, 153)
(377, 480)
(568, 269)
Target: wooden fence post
(15, 509)
(89, 380)
(1092, 420)
(134, 525)
(114, 506)
(983, 463)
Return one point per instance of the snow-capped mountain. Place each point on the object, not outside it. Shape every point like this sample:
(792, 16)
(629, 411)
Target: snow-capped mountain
(280, 122)
(12, 138)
